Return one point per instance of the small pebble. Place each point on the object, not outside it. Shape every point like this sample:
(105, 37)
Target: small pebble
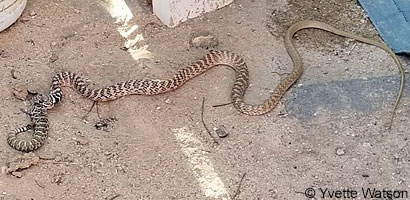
(221, 131)
(105, 124)
(17, 174)
(340, 152)
(15, 74)
(346, 43)
(32, 13)
(204, 40)
(367, 145)
(57, 178)
(81, 141)
(58, 159)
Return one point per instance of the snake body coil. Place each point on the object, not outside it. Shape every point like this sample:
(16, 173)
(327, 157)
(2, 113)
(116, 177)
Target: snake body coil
(38, 111)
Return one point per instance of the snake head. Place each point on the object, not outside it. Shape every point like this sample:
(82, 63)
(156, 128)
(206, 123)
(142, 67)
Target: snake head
(44, 100)
(38, 99)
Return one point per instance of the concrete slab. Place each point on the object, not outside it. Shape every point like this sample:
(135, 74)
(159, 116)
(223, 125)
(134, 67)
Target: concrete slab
(174, 12)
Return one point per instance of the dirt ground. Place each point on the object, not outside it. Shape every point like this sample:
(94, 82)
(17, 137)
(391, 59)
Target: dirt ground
(328, 131)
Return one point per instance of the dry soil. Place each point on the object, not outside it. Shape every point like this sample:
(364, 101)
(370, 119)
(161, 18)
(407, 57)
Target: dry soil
(328, 131)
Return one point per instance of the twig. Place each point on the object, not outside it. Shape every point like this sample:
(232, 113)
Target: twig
(351, 49)
(203, 122)
(238, 190)
(39, 185)
(220, 105)
(95, 103)
(112, 197)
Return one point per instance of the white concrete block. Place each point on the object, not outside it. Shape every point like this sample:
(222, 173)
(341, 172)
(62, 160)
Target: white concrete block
(173, 12)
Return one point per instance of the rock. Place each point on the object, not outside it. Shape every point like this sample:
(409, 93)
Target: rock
(81, 141)
(32, 13)
(17, 174)
(221, 131)
(105, 124)
(367, 145)
(204, 40)
(15, 74)
(340, 152)
(58, 159)
(20, 91)
(57, 178)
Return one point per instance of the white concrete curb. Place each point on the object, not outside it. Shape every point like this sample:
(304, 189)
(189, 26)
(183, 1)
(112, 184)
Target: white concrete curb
(173, 12)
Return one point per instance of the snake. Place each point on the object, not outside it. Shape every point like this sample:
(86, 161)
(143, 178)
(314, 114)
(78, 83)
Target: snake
(42, 103)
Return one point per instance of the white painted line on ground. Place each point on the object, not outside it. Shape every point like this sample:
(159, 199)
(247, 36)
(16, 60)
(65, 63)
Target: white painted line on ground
(211, 185)
(120, 11)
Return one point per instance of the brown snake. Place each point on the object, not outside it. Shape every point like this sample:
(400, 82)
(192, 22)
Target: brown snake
(38, 110)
